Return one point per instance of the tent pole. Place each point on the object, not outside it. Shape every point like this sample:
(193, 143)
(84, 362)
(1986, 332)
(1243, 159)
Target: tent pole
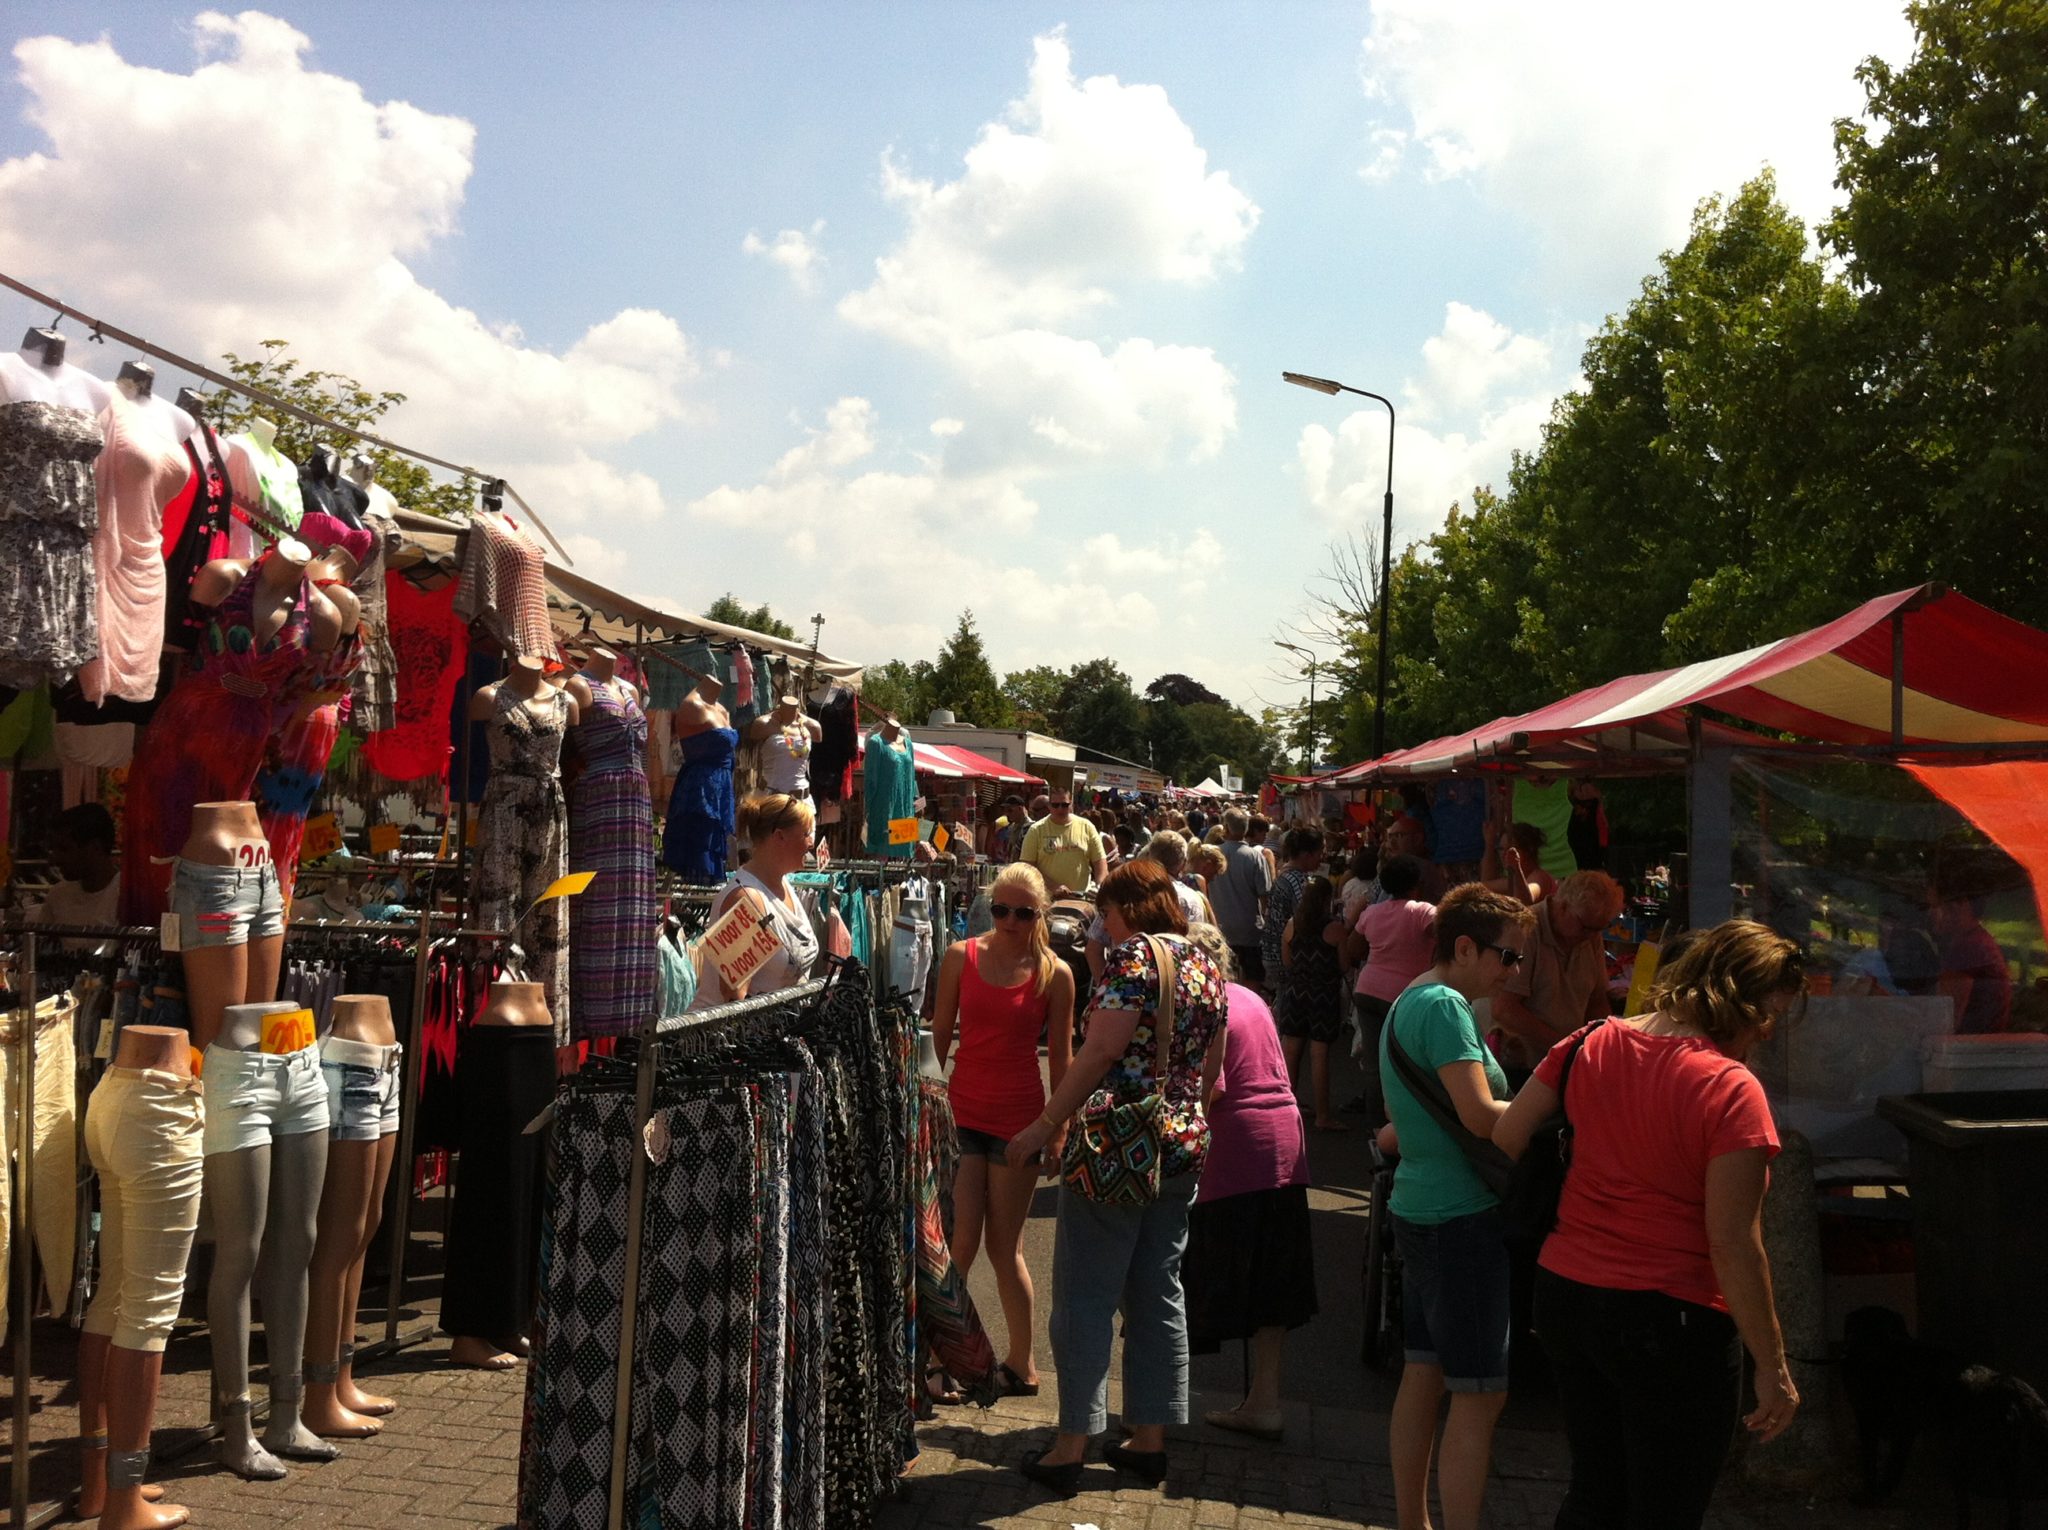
(1898, 678)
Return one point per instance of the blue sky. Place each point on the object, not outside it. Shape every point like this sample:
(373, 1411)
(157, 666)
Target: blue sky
(888, 310)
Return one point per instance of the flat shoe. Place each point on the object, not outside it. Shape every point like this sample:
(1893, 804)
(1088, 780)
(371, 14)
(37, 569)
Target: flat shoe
(1260, 1426)
(1063, 1480)
(1148, 1464)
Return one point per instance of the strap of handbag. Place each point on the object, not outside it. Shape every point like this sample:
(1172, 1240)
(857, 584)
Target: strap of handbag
(1162, 1017)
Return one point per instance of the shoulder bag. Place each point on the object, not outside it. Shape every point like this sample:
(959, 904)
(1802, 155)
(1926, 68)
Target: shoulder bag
(1113, 1155)
(1529, 1187)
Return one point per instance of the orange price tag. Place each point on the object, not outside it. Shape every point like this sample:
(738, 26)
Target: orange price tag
(288, 1032)
(384, 838)
(903, 831)
(323, 837)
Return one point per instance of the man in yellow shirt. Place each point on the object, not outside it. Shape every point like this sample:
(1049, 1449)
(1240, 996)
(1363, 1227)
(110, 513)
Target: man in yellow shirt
(1066, 850)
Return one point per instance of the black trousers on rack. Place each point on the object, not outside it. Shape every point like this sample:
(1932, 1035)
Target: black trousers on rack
(505, 1075)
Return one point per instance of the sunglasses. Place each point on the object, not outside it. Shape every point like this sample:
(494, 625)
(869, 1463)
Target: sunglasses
(1025, 912)
(1509, 956)
(1061, 807)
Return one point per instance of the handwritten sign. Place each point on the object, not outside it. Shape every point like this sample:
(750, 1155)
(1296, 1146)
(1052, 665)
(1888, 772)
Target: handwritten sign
(903, 831)
(383, 838)
(741, 944)
(291, 1031)
(323, 837)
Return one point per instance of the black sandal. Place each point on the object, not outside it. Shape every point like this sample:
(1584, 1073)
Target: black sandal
(1010, 1384)
(944, 1392)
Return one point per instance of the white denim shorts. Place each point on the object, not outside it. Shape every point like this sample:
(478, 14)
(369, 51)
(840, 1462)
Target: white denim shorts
(252, 1097)
(225, 905)
(362, 1088)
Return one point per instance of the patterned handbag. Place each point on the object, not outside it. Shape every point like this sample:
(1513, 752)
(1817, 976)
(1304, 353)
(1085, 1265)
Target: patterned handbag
(1113, 1154)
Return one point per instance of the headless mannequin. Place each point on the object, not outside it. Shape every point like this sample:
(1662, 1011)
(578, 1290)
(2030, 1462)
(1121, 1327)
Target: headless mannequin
(787, 714)
(38, 373)
(116, 1386)
(527, 680)
(284, 571)
(227, 834)
(137, 384)
(265, 1202)
(602, 667)
(700, 711)
(337, 610)
(508, 1004)
(350, 1205)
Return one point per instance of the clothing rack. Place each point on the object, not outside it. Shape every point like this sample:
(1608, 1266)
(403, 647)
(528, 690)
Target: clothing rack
(103, 331)
(652, 1035)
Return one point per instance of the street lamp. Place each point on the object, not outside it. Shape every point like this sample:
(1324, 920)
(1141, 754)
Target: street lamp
(1309, 655)
(1379, 707)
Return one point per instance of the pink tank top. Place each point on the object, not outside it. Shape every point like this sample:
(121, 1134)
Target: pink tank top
(996, 1085)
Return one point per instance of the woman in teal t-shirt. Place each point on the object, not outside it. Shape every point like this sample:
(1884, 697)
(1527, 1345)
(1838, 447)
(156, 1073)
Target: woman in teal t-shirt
(1454, 1267)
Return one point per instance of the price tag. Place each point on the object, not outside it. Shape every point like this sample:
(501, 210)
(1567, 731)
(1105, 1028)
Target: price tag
(251, 853)
(741, 943)
(568, 886)
(323, 837)
(941, 839)
(288, 1032)
(171, 939)
(1648, 955)
(903, 831)
(384, 838)
(469, 834)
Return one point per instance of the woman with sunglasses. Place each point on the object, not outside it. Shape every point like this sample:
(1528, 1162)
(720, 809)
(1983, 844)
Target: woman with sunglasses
(1655, 1278)
(998, 993)
(1447, 1224)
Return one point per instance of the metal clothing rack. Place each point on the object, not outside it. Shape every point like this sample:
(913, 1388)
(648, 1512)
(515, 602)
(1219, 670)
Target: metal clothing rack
(652, 1035)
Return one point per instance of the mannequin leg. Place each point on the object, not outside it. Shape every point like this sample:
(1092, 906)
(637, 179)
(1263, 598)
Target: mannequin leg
(238, 1188)
(352, 1396)
(298, 1169)
(215, 977)
(344, 1213)
(93, 1351)
(131, 1378)
(266, 963)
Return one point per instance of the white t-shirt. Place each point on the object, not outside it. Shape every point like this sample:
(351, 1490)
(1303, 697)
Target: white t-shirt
(69, 903)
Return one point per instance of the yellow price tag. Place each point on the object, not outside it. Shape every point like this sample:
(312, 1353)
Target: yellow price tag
(384, 838)
(903, 831)
(568, 886)
(941, 839)
(323, 837)
(469, 834)
(447, 835)
(289, 1032)
(1648, 955)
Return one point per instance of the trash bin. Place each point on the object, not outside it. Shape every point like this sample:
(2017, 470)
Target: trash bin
(1977, 1164)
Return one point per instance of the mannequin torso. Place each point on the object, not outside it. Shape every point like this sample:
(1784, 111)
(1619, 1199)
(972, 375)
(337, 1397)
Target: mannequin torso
(25, 379)
(155, 1046)
(362, 1017)
(226, 834)
(516, 1004)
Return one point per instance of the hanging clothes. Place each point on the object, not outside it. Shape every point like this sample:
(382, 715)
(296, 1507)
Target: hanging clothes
(504, 588)
(195, 534)
(49, 515)
(701, 809)
(140, 471)
(431, 645)
(373, 693)
(295, 761)
(505, 1076)
(833, 755)
(210, 736)
(265, 484)
(522, 840)
(48, 1048)
(889, 783)
(612, 964)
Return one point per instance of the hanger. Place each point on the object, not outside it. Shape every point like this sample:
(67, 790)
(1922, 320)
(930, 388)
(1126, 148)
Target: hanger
(193, 403)
(140, 373)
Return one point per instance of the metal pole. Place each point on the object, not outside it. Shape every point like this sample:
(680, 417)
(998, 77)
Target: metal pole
(408, 1121)
(1311, 716)
(1379, 709)
(21, 1270)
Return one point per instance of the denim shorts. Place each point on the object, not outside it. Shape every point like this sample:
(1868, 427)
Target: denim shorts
(362, 1088)
(974, 1144)
(225, 905)
(1454, 1299)
(253, 1097)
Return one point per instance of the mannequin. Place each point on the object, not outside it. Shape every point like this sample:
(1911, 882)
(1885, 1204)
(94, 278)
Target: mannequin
(613, 966)
(374, 687)
(522, 828)
(504, 1075)
(137, 384)
(362, 472)
(38, 373)
(266, 1139)
(889, 782)
(361, 1060)
(700, 804)
(265, 481)
(786, 736)
(150, 1209)
(225, 860)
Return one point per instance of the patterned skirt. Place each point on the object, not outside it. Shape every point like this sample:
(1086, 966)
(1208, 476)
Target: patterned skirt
(613, 964)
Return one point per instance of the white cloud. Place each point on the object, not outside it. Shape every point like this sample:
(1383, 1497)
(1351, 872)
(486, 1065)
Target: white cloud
(794, 249)
(948, 427)
(1483, 394)
(273, 199)
(1083, 187)
(1603, 122)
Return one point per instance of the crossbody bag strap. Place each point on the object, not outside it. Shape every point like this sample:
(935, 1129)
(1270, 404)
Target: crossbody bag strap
(1163, 1015)
(1427, 1088)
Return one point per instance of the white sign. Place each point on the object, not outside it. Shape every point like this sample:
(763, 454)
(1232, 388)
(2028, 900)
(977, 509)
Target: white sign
(741, 943)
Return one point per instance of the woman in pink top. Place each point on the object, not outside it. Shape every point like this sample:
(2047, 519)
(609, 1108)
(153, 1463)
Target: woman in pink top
(1249, 1271)
(999, 993)
(1400, 934)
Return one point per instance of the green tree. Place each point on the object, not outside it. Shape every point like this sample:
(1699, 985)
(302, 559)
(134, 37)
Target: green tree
(1944, 238)
(899, 688)
(1098, 708)
(1169, 738)
(734, 612)
(332, 396)
(1034, 696)
(1181, 691)
(963, 680)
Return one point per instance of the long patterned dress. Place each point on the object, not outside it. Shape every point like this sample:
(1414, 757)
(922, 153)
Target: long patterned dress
(612, 956)
(49, 513)
(209, 737)
(522, 836)
(295, 763)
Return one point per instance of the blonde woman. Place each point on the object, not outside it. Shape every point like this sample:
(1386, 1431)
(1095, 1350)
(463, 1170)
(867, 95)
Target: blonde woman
(777, 829)
(998, 994)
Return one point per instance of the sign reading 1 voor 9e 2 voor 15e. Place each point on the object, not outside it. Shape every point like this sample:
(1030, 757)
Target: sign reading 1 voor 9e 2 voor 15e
(741, 943)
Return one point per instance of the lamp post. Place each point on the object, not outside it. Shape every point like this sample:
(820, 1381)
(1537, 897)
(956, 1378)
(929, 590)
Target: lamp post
(1309, 655)
(1379, 706)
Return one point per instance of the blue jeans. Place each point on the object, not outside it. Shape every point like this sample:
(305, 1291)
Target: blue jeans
(1108, 1259)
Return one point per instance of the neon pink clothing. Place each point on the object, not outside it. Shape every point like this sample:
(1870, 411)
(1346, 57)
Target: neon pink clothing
(996, 1086)
(1402, 934)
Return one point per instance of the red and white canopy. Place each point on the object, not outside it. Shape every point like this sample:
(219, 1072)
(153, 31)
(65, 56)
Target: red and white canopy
(1959, 674)
(957, 764)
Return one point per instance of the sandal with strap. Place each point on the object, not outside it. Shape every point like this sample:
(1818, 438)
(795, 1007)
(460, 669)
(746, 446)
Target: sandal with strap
(1010, 1384)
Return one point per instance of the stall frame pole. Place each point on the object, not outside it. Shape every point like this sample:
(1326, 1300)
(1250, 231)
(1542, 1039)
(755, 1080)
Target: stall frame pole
(21, 1297)
(409, 1081)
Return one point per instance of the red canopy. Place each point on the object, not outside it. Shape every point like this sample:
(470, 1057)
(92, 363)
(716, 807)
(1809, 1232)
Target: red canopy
(955, 763)
(1959, 673)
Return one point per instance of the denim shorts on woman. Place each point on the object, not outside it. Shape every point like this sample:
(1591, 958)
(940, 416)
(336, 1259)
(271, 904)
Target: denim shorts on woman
(1454, 1299)
(253, 1097)
(979, 1144)
(362, 1088)
(225, 905)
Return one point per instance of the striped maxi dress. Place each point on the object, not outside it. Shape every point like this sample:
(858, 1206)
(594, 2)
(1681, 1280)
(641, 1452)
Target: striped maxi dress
(613, 962)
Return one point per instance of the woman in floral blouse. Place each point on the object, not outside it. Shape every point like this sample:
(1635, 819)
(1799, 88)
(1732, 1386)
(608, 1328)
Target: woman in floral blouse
(1109, 1257)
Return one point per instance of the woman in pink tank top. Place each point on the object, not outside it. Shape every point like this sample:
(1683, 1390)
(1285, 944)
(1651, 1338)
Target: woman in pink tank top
(999, 994)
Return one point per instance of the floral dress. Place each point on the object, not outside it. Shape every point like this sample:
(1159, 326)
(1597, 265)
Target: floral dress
(522, 837)
(1130, 981)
